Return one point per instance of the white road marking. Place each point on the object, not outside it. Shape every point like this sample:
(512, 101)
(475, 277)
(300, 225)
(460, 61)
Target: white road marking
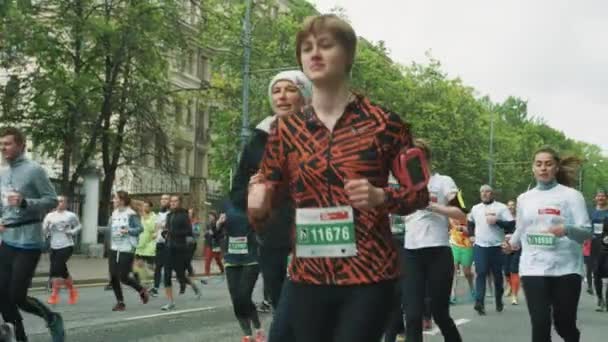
(436, 330)
(171, 313)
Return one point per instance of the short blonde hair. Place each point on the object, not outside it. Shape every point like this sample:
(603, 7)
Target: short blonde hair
(338, 28)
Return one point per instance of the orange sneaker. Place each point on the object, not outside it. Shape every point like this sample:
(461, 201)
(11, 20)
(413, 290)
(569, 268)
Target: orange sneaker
(53, 298)
(247, 339)
(74, 295)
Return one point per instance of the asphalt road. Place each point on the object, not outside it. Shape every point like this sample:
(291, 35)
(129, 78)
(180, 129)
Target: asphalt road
(211, 319)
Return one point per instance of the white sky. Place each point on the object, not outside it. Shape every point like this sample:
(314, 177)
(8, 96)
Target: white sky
(553, 53)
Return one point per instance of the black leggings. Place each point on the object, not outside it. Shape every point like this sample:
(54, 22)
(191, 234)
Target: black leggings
(177, 259)
(192, 250)
(553, 295)
(17, 268)
(281, 329)
(600, 271)
(331, 313)
(395, 324)
(241, 282)
(59, 262)
(589, 272)
(273, 264)
(159, 259)
(429, 271)
(121, 269)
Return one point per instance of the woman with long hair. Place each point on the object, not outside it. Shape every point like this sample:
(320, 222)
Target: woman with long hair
(551, 225)
(125, 228)
(179, 237)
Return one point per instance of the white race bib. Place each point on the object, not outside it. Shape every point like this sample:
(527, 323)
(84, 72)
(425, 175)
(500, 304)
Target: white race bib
(237, 245)
(598, 228)
(325, 232)
(541, 240)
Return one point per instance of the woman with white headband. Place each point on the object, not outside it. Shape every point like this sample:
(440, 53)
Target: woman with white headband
(289, 91)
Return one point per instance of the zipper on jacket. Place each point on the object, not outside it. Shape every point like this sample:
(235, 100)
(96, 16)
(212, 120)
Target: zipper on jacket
(328, 157)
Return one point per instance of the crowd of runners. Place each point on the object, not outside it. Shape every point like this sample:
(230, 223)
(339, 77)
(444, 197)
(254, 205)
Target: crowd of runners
(336, 205)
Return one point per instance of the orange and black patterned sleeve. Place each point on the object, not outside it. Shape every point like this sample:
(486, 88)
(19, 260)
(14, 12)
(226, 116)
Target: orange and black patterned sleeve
(397, 137)
(273, 167)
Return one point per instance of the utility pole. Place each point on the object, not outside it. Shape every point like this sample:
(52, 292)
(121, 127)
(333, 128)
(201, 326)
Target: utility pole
(491, 154)
(246, 74)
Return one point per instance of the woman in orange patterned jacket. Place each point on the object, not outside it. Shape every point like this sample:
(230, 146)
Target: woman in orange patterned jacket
(333, 160)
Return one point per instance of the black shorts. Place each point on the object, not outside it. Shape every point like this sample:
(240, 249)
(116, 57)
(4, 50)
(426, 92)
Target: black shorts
(511, 262)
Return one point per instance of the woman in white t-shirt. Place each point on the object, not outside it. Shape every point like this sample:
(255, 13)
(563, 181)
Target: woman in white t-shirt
(552, 224)
(428, 263)
(61, 226)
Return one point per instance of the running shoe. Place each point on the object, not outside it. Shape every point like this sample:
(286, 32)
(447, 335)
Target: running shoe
(427, 324)
(53, 298)
(153, 292)
(108, 287)
(590, 291)
(264, 307)
(600, 305)
(168, 307)
(480, 309)
(453, 300)
(56, 328)
(203, 281)
(247, 339)
(144, 296)
(400, 338)
(74, 295)
(120, 306)
(514, 300)
(500, 306)
(197, 292)
(260, 336)
(7, 332)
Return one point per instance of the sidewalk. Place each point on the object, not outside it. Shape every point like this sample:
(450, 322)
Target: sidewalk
(86, 270)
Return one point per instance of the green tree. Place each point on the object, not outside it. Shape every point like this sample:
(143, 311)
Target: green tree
(94, 78)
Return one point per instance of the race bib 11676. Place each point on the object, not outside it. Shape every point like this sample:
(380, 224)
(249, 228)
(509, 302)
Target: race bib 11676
(325, 232)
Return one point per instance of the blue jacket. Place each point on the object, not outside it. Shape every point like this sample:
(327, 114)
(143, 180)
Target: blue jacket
(127, 219)
(24, 224)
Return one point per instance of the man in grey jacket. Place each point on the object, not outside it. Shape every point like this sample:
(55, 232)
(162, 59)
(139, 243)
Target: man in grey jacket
(26, 196)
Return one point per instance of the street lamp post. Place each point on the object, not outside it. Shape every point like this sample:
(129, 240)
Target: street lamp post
(246, 74)
(491, 152)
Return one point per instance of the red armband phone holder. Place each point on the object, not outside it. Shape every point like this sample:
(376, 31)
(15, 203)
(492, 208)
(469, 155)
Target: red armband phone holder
(411, 169)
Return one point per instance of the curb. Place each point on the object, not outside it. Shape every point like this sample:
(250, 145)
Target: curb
(92, 282)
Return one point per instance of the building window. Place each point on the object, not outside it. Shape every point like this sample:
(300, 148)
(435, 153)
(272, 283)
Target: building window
(192, 63)
(159, 141)
(188, 160)
(203, 69)
(190, 112)
(183, 60)
(179, 110)
(177, 154)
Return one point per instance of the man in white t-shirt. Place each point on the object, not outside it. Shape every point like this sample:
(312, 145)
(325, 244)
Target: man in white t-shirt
(489, 221)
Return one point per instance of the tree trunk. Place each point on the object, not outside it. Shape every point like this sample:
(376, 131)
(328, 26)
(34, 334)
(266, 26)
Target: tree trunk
(105, 205)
